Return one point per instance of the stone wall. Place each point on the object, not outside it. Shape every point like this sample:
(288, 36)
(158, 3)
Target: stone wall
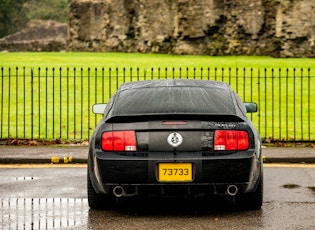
(39, 35)
(279, 28)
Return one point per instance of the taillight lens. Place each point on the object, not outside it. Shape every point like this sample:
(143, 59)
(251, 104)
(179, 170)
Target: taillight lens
(231, 140)
(119, 141)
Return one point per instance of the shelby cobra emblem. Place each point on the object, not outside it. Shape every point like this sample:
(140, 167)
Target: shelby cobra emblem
(175, 139)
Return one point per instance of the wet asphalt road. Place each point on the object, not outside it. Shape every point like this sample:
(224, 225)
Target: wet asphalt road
(55, 198)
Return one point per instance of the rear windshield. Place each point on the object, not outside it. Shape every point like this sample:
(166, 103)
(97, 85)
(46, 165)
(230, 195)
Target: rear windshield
(173, 100)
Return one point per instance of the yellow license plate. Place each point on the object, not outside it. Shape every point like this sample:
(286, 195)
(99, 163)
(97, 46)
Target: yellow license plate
(175, 172)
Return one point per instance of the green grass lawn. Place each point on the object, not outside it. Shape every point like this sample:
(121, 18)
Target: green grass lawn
(142, 61)
(55, 102)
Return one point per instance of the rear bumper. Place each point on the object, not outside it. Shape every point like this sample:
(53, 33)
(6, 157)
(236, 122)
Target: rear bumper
(177, 190)
(210, 175)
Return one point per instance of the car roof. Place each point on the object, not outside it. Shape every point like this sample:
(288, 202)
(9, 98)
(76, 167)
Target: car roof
(175, 96)
(173, 83)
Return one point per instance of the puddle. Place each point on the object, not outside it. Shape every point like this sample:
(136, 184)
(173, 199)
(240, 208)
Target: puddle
(291, 186)
(312, 189)
(50, 213)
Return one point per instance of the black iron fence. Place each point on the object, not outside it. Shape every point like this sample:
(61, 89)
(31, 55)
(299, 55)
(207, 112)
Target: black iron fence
(50, 104)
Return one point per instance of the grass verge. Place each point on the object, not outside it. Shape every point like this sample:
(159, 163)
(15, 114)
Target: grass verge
(53, 101)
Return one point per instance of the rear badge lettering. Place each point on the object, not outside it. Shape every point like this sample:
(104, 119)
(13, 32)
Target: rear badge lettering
(175, 139)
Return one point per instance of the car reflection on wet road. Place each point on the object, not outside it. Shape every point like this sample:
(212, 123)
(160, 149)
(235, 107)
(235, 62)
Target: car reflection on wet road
(55, 198)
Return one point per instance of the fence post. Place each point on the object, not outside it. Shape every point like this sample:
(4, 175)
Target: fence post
(1, 115)
(16, 102)
(301, 104)
(39, 101)
(68, 103)
(294, 105)
(309, 102)
(81, 112)
(74, 104)
(32, 104)
(272, 105)
(9, 103)
(280, 123)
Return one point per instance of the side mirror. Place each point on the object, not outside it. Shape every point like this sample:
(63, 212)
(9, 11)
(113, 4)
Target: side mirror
(98, 108)
(251, 107)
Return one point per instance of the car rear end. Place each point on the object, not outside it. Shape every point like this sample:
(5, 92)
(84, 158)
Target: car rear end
(213, 157)
(175, 138)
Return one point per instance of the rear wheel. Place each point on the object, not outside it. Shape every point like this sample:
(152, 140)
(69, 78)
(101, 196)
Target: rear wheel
(251, 200)
(98, 201)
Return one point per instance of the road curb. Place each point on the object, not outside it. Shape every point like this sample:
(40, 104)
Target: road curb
(291, 160)
(40, 161)
(60, 160)
(79, 154)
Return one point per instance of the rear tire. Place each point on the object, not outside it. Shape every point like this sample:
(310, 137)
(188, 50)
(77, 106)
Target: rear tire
(97, 200)
(251, 200)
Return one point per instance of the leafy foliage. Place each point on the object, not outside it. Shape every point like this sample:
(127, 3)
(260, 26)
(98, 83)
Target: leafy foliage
(15, 14)
(12, 16)
(47, 10)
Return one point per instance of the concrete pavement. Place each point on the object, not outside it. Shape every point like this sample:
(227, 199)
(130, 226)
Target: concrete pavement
(78, 154)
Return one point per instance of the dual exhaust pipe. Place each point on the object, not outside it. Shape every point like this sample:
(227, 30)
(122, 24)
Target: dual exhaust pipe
(119, 191)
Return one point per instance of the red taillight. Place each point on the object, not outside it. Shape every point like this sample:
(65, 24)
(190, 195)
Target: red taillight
(119, 141)
(231, 140)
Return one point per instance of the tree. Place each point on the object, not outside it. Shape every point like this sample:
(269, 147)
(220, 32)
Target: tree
(12, 16)
(47, 10)
(15, 14)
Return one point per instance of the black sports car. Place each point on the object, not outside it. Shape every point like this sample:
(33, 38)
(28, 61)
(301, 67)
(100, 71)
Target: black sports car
(175, 138)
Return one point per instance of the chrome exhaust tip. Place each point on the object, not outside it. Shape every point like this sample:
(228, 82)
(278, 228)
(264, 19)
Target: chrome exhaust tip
(118, 191)
(232, 190)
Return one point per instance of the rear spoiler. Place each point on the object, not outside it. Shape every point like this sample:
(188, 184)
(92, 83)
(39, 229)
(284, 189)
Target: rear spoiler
(157, 117)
